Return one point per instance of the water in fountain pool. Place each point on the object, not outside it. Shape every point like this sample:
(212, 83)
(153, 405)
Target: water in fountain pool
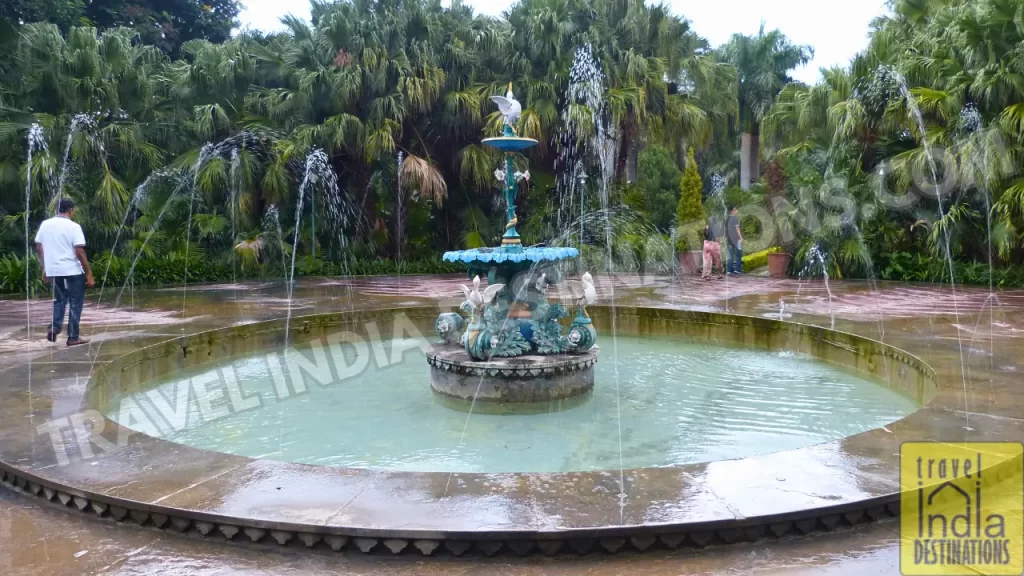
(680, 403)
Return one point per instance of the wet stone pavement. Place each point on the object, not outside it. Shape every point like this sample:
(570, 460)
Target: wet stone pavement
(973, 340)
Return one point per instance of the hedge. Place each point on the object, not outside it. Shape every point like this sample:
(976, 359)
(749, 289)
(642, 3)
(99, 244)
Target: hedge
(758, 259)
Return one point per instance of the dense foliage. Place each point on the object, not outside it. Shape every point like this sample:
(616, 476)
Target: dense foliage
(910, 161)
(166, 24)
(363, 81)
(846, 171)
(659, 177)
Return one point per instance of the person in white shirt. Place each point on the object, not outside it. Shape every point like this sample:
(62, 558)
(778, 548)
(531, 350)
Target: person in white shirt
(60, 244)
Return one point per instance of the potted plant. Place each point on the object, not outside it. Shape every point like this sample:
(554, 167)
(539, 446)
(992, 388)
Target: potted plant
(690, 218)
(775, 181)
(778, 263)
(779, 258)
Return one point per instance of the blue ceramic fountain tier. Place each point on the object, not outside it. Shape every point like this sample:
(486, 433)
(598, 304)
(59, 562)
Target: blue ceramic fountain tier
(509, 143)
(517, 318)
(512, 317)
(504, 254)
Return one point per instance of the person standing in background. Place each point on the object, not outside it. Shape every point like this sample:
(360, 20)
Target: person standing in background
(712, 249)
(60, 244)
(735, 237)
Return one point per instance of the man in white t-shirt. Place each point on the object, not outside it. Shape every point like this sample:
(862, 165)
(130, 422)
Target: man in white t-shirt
(60, 244)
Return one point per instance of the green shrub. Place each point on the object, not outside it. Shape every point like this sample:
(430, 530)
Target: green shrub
(633, 252)
(658, 177)
(171, 271)
(757, 260)
(689, 211)
(636, 199)
(12, 275)
(907, 267)
(734, 196)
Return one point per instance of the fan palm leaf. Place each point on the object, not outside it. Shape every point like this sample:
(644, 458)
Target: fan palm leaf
(419, 175)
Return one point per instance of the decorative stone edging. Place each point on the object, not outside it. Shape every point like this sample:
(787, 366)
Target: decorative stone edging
(472, 369)
(579, 542)
(909, 360)
(582, 541)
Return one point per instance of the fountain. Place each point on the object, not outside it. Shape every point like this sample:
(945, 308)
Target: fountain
(817, 261)
(579, 138)
(308, 415)
(512, 348)
(36, 142)
(79, 122)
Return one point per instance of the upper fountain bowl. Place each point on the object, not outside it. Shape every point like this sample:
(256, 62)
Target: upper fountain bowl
(510, 143)
(498, 255)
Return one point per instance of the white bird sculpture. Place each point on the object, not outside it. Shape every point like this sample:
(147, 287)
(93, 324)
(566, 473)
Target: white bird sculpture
(584, 290)
(509, 106)
(589, 291)
(477, 299)
(523, 282)
(542, 283)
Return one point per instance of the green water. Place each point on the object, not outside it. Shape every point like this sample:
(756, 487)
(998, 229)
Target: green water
(675, 403)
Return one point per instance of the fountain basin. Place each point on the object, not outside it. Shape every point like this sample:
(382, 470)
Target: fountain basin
(512, 255)
(206, 491)
(529, 378)
(509, 143)
(687, 387)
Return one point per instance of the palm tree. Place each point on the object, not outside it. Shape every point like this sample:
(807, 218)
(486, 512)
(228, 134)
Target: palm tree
(957, 64)
(763, 63)
(361, 80)
(110, 79)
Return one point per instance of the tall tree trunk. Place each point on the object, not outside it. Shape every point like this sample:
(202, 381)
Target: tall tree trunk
(745, 160)
(632, 159)
(622, 153)
(400, 226)
(755, 153)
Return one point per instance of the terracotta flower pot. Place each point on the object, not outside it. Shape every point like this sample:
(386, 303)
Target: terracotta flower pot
(690, 261)
(778, 264)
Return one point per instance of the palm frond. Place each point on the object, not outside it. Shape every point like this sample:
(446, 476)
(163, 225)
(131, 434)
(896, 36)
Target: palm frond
(423, 178)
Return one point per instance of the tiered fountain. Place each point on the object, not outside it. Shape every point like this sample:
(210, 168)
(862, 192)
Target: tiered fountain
(512, 348)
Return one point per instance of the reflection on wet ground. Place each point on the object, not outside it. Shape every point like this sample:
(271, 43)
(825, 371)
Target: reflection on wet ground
(977, 340)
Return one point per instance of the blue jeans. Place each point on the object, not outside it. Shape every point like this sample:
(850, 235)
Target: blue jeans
(68, 290)
(735, 260)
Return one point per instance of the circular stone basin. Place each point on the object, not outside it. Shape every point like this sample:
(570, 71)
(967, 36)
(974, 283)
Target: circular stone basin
(529, 378)
(657, 401)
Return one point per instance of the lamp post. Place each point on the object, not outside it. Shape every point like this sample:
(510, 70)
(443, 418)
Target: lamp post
(583, 208)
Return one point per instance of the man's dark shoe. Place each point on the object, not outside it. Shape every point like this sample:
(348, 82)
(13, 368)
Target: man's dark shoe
(51, 334)
(77, 342)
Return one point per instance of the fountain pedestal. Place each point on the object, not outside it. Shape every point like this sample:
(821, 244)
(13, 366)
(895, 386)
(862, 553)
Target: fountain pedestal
(528, 378)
